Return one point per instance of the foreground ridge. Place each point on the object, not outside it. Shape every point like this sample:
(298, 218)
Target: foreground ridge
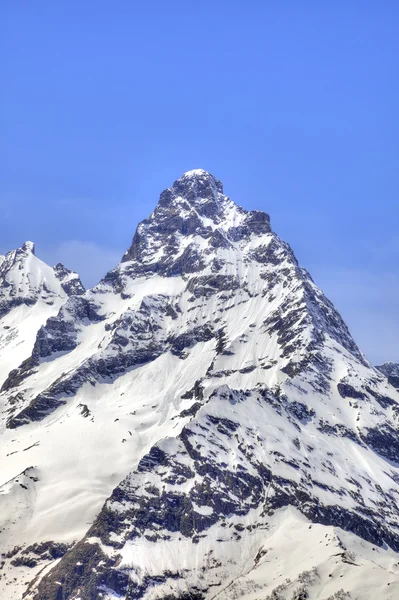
(174, 425)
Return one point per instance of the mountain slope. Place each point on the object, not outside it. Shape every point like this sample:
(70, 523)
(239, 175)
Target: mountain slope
(211, 382)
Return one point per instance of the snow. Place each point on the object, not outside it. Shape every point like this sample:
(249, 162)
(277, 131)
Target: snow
(195, 173)
(296, 551)
(292, 551)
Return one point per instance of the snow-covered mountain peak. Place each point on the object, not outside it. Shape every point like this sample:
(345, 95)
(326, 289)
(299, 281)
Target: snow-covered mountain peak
(25, 279)
(190, 215)
(200, 195)
(198, 184)
(29, 247)
(30, 292)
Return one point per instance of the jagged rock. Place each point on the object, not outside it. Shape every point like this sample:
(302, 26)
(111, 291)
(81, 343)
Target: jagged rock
(391, 370)
(70, 281)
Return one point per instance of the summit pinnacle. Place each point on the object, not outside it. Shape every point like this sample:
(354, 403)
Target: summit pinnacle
(29, 247)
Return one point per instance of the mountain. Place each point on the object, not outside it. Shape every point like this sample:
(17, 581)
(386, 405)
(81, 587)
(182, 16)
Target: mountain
(201, 425)
(30, 292)
(391, 370)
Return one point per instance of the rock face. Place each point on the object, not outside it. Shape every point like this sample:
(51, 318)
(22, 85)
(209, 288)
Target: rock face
(391, 370)
(186, 409)
(70, 281)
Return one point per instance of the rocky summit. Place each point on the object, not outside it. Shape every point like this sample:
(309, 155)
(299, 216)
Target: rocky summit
(199, 425)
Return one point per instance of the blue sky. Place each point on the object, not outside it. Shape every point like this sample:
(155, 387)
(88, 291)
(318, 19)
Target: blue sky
(293, 105)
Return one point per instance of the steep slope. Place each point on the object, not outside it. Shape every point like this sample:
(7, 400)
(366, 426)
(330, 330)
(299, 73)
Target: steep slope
(30, 292)
(211, 382)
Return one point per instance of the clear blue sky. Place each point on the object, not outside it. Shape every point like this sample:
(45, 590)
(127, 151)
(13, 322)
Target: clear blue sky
(293, 105)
